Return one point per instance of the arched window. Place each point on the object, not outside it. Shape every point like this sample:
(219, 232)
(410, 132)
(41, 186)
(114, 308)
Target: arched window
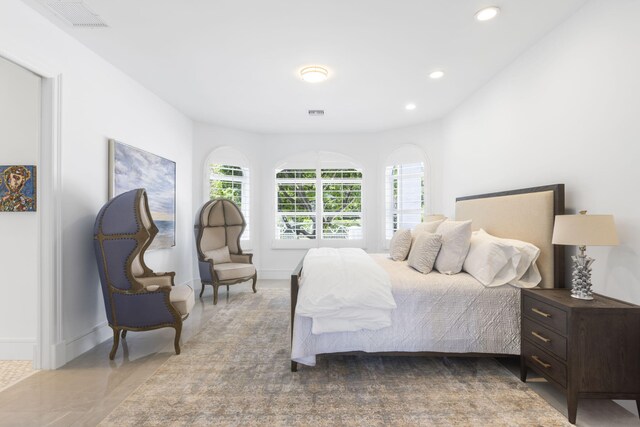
(318, 198)
(228, 176)
(404, 189)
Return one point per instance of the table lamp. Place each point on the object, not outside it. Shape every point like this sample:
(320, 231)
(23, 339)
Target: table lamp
(584, 230)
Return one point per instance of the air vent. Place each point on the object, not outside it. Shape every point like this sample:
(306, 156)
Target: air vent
(77, 14)
(316, 113)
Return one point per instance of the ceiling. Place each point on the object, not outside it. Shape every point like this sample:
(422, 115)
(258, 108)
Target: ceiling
(235, 62)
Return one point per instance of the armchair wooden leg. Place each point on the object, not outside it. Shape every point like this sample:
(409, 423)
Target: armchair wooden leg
(116, 341)
(215, 294)
(176, 341)
(201, 290)
(124, 334)
(294, 366)
(255, 279)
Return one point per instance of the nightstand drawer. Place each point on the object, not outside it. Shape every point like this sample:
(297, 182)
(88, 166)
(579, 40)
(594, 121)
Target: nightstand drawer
(545, 338)
(544, 363)
(545, 314)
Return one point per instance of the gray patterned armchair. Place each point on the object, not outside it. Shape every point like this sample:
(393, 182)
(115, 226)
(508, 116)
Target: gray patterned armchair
(220, 257)
(135, 298)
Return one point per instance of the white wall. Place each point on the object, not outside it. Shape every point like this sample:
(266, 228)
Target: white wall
(19, 144)
(567, 111)
(98, 102)
(265, 151)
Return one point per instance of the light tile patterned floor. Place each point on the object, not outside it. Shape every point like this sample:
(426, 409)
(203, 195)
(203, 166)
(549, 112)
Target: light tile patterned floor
(13, 371)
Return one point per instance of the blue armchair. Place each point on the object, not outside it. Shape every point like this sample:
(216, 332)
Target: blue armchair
(135, 298)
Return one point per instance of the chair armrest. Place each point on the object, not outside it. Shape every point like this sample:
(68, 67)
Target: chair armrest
(157, 280)
(243, 258)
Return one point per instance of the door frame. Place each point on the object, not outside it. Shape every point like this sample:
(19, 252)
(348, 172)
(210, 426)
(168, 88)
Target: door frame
(49, 351)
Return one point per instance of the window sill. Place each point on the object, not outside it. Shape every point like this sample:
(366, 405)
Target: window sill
(323, 243)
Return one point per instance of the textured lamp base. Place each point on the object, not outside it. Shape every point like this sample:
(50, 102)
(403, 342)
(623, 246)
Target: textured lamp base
(581, 276)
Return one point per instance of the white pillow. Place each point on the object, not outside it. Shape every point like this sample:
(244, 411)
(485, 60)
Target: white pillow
(400, 245)
(426, 227)
(424, 251)
(528, 274)
(218, 256)
(491, 262)
(456, 236)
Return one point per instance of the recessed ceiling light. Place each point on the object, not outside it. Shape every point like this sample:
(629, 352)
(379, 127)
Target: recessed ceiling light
(487, 13)
(314, 74)
(410, 107)
(436, 74)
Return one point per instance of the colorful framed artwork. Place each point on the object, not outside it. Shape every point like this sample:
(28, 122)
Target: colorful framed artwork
(131, 168)
(18, 188)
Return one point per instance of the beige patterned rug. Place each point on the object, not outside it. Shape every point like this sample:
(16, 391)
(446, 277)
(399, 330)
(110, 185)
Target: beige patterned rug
(14, 371)
(235, 371)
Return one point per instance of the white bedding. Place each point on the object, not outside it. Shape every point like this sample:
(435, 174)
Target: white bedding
(435, 312)
(344, 290)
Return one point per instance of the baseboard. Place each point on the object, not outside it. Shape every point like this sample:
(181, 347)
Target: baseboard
(17, 348)
(274, 274)
(86, 342)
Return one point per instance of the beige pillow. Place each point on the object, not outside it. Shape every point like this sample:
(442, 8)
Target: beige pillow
(426, 227)
(400, 245)
(218, 256)
(424, 251)
(456, 238)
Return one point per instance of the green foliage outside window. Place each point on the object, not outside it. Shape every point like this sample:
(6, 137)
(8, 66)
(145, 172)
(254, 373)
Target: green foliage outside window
(226, 181)
(341, 194)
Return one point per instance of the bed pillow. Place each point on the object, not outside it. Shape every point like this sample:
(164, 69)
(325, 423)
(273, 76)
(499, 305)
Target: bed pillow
(528, 274)
(424, 251)
(219, 256)
(490, 261)
(456, 236)
(400, 245)
(426, 227)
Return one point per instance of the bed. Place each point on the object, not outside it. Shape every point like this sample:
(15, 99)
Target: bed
(450, 315)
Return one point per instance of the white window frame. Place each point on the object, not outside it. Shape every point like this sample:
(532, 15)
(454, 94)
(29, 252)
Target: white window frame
(403, 178)
(405, 155)
(319, 162)
(233, 157)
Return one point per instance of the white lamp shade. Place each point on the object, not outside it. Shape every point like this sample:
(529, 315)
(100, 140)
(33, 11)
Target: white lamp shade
(585, 230)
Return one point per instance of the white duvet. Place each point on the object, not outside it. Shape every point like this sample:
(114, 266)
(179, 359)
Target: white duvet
(344, 290)
(436, 313)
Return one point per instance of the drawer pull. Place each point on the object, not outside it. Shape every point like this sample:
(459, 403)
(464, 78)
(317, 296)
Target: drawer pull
(540, 337)
(540, 362)
(540, 312)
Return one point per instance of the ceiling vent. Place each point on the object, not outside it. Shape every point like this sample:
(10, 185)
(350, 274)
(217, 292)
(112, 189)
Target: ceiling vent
(316, 113)
(77, 14)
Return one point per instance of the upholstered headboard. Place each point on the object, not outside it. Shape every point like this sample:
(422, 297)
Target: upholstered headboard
(527, 214)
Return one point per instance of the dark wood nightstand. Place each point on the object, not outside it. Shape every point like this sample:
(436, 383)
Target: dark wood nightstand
(589, 349)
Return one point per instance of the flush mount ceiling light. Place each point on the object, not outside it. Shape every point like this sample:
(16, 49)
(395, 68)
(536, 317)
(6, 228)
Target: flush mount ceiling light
(314, 74)
(487, 13)
(410, 106)
(436, 74)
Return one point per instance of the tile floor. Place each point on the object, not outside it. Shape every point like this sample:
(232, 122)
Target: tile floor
(88, 388)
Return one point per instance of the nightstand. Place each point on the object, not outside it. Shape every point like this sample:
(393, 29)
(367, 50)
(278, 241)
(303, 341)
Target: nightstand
(589, 349)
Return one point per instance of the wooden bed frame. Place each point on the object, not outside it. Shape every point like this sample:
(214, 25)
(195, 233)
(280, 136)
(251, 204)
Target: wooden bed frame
(556, 257)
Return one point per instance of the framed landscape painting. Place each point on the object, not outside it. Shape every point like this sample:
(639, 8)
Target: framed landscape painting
(131, 168)
(18, 188)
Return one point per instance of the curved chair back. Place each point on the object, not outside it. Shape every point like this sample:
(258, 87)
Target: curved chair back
(220, 224)
(122, 232)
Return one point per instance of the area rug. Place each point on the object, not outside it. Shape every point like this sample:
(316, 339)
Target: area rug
(14, 371)
(236, 372)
